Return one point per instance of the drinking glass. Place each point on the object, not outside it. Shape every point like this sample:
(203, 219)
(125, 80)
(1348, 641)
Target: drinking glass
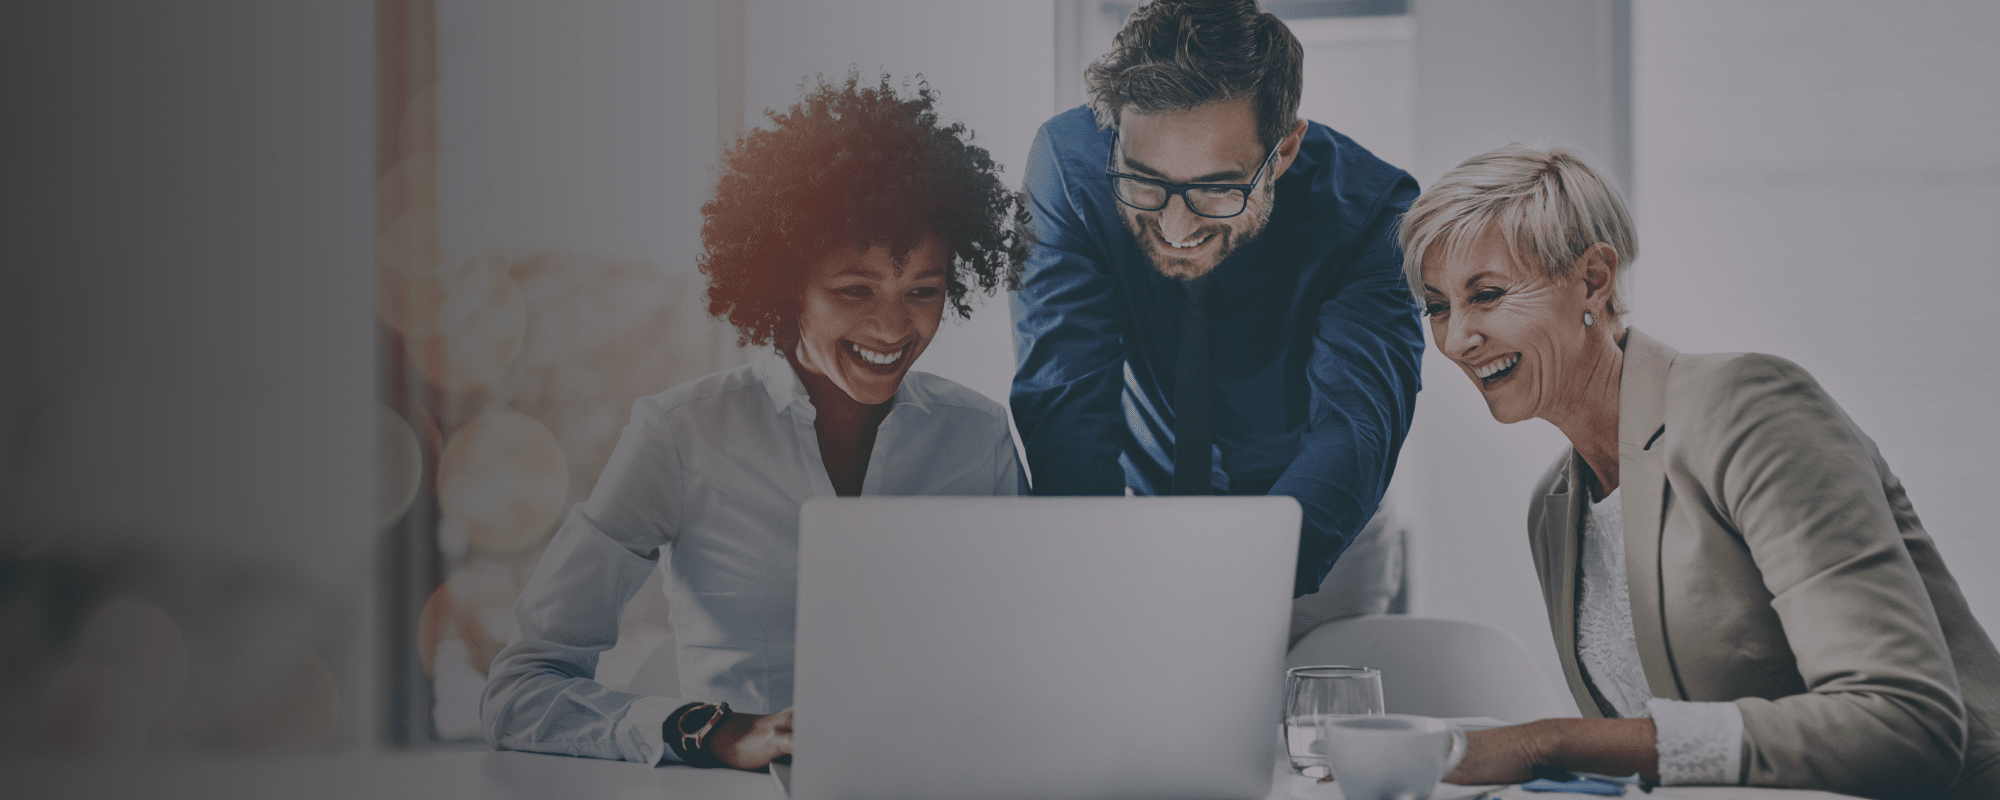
(1314, 695)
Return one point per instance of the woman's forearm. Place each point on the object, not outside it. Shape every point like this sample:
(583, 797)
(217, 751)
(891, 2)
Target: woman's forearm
(1603, 746)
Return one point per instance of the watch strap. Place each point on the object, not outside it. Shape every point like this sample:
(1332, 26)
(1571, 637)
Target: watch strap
(689, 732)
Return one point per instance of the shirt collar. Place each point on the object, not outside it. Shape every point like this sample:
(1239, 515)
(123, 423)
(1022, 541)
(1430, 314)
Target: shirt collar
(783, 385)
(788, 393)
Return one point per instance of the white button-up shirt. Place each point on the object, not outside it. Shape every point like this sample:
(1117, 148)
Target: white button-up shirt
(705, 484)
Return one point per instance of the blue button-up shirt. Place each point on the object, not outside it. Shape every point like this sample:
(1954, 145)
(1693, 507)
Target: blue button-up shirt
(1314, 336)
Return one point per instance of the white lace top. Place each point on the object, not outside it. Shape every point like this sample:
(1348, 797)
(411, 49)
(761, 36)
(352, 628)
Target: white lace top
(1697, 742)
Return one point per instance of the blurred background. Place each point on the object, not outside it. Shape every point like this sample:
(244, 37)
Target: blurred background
(315, 316)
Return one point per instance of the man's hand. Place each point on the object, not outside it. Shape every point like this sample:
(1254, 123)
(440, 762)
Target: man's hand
(752, 741)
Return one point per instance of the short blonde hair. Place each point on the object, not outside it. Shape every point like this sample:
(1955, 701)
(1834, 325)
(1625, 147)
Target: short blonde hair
(1550, 206)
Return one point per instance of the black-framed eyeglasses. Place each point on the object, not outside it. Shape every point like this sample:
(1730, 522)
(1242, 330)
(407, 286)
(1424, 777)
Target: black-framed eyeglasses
(1212, 200)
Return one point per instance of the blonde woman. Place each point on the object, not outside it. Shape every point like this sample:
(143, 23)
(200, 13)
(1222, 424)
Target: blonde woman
(1740, 589)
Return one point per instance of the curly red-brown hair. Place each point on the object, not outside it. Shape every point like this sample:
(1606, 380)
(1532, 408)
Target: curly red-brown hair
(856, 166)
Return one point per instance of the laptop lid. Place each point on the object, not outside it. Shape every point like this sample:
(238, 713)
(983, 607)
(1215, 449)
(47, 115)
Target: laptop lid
(1016, 647)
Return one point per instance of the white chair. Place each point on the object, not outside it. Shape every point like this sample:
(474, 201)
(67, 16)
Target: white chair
(1368, 578)
(1437, 667)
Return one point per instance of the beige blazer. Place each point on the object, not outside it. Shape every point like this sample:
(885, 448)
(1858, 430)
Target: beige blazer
(1774, 560)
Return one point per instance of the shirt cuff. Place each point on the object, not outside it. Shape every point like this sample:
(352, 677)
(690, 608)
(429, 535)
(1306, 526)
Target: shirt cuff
(1699, 743)
(644, 730)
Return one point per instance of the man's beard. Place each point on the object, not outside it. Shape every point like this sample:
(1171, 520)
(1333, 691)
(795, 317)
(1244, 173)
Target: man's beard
(1146, 229)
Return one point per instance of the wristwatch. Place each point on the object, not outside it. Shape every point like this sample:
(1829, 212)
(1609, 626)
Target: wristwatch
(689, 729)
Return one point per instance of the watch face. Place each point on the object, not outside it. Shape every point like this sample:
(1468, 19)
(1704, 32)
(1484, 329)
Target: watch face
(695, 724)
(696, 719)
(690, 730)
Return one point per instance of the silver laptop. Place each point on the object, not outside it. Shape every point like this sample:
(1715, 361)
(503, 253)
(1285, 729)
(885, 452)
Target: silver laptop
(1007, 648)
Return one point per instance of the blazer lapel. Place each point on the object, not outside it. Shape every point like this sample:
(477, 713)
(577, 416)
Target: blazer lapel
(1554, 523)
(1642, 476)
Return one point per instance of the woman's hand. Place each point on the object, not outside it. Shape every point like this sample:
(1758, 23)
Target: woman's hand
(753, 741)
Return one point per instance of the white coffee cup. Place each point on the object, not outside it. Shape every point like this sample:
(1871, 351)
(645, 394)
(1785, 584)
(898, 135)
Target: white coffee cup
(1392, 756)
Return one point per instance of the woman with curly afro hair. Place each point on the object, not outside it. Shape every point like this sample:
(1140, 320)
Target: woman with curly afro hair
(838, 236)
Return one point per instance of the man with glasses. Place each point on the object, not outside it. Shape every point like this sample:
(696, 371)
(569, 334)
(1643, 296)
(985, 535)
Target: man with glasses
(1214, 300)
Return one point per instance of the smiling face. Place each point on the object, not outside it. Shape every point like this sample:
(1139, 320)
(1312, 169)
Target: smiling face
(1212, 143)
(1517, 333)
(863, 319)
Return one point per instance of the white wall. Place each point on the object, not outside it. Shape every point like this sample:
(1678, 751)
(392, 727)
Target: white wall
(1820, 181)
(1490, 72)
(1360, 79)
(585, 128)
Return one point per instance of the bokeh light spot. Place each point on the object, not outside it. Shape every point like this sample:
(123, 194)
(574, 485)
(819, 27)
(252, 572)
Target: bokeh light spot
(280, 697)
(504, 475)
(409, 185)
(409, 246)
(478, 335)
(143, 644)
(92, 709)
(453, 539)
(399, 466)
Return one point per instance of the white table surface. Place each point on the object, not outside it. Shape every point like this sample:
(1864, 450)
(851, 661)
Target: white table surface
(487, 774)
(1291, 787)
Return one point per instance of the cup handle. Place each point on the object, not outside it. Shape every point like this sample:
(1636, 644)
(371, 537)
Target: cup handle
(1456, 753)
